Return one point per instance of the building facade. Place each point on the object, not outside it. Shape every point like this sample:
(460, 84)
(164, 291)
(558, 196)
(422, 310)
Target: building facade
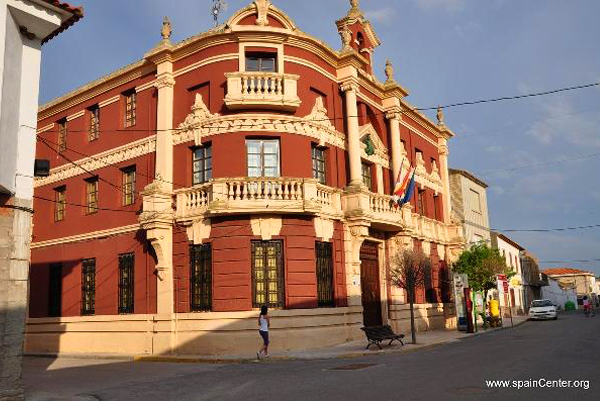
(24, 26)
(533, 279)
(559, 293)
(511, 252)
(583, 282)
(469, 206)
(248, 165)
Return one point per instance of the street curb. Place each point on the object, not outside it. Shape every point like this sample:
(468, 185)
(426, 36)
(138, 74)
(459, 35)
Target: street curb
(216, 360)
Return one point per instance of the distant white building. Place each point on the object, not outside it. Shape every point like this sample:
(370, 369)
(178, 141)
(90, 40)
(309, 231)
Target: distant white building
(24, 26)
(559, 294)
(515, 298)
(469, 205)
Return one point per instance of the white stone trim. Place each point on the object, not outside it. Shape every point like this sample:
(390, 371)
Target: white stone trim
(206, 61)
(87, 236)
(266, 227)
(101, 160)
(46, 128)
(112, 100)
(76, 115)
(297, 60)
(148, 85)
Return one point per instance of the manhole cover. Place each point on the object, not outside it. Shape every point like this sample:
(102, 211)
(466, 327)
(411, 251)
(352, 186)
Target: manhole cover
(355, 366)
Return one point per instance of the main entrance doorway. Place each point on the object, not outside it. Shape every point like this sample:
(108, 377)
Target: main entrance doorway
(369, 281)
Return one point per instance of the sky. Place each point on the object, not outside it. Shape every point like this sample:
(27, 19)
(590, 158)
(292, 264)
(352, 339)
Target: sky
(443, 52)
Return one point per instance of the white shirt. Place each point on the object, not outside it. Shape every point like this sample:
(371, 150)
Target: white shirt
(264, 324)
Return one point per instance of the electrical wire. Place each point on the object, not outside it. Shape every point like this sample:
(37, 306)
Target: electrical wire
(403, 111)
(542, 164)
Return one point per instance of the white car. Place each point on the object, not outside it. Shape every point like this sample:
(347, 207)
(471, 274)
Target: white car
(542, 309)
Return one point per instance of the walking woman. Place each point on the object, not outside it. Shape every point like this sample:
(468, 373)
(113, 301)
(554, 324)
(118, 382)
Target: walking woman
(264, 321)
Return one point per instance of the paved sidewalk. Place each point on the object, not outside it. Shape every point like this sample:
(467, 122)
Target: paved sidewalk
(347, 350)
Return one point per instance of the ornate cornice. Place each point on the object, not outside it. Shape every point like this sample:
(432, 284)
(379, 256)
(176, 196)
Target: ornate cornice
(101, 160)
(201, 123)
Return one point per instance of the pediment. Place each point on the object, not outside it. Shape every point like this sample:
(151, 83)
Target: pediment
(265, 12)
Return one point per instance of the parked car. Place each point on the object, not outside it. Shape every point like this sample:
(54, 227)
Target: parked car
(542, 309)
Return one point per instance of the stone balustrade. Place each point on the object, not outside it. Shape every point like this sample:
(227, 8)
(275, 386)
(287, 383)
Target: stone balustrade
(262, 90)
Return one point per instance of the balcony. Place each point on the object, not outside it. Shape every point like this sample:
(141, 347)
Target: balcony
(262, 90)
(256, 195)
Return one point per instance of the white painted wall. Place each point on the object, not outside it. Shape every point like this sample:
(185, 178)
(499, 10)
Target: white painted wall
(557, 295)
(20, 60)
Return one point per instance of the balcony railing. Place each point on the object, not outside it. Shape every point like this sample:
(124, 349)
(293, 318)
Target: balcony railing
(256, 195)
(262, 90)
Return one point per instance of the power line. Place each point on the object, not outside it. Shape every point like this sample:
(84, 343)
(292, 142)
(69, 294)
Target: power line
(113, 166)
(530, 230)
(85, 206)
(466, 103)
(119, 188)
(542, 164)
(551, 262)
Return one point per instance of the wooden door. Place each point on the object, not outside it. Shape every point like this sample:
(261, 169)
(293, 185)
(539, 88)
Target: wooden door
(369, 281)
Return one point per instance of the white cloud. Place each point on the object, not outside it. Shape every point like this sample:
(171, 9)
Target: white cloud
(540, 183)
(446, 5)
(382, 15)
(565, 123)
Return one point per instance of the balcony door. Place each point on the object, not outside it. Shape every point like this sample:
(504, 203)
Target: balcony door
(263, 157)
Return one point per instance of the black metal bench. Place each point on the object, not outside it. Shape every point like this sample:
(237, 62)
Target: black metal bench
(377, 334)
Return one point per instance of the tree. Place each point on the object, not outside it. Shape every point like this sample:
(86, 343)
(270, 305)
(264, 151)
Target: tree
(482, 265)
(408, 272)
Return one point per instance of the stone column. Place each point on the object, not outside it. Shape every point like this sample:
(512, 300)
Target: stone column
(394, 116)
(443, 148)
(350, 88)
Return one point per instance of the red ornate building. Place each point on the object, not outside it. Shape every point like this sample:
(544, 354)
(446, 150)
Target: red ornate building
(248, 165)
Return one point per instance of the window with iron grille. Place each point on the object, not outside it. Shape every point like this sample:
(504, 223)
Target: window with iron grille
(94, 123)
(325, 296)
(201, 278)
(263, 157)
(55, 290)
(366, 175)
(130, 109)
(62, 135)
(318, 162)
(421, 202)
(60, 197)
(91, 195)
(267, 274)
(201, 165)
(88, 286)
(429, 290)
(128, 185)
(126, 276)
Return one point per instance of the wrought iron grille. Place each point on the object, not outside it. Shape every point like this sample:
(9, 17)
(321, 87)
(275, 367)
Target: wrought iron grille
(267, 274)
(201, 278)
(130, 109)
(325, 296)
(88, 286)
(126, 280)
(55, 290)
(430, 293)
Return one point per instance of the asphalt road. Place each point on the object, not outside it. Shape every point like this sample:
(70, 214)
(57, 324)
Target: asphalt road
(566, 349)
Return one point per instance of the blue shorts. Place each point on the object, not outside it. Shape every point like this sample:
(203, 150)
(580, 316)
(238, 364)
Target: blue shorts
(265, 336)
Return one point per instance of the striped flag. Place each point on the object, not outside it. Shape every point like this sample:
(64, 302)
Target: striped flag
(409, 190)
(401, 186)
